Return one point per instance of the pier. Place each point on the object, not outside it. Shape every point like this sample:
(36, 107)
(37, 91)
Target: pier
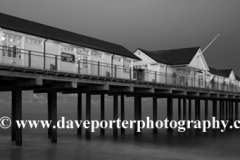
(17, 79)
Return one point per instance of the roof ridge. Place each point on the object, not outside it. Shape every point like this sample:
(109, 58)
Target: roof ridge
(176, 49)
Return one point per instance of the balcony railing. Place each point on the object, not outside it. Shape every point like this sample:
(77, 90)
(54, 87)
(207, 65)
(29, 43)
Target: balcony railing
(51, 62)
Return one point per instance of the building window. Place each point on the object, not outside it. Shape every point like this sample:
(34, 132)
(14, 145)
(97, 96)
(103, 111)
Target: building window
(126, 66)
(96, 54)
(67, 48)
(33, 41)
(117, 59)
(66, 57)
(11, 45)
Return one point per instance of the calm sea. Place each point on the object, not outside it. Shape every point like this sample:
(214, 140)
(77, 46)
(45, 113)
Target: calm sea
(164, 145)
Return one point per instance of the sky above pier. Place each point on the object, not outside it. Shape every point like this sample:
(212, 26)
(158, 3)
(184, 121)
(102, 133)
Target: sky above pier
(147, 24)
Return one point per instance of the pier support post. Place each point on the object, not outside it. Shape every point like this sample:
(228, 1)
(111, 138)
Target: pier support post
(169, 110)
(115, 115)
(236, 110)
(16, 115)
(227, 115)
(220, 110)
(179, 109)
(189, 109)
(184, 108)
(214, 108)
(223, 110)
(53, 112)
(136, 112)
(88, 114)
(102, 130)
(122, 112)
(49, 112)
(206, 109)
(154, 112)
(14, 124)
(231, 111)
(197, 109)
(79, 130)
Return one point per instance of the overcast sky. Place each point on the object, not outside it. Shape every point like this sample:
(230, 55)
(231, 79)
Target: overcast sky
(147, 24)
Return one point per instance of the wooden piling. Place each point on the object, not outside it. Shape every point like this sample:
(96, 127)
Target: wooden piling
(115, 115)
(17, 115)
(189, 109)
(169, 110)
(49, 112)
(206, 109)
(102, 130)
(154, 112)
(88, 114)
(179, 109)
(214, 108)
(236, 110)
(122, 112)
(184, 108)
(79, 130)
(53, 127)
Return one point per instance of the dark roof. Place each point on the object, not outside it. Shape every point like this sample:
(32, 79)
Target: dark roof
(174, 56)
(155, 56)
(217, 72)
(227, 72)
(178, 56)
(44, 31)
(237, 77)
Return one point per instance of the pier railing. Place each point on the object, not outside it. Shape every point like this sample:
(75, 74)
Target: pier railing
(10, 56)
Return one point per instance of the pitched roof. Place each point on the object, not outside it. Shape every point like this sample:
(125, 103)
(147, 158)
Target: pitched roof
(237, 77)
(178, 56)
(217, 72)
(227, 72)
(154, 56)
(48, 32)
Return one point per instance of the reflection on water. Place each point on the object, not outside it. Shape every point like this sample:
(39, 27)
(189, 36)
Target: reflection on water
(164, 145)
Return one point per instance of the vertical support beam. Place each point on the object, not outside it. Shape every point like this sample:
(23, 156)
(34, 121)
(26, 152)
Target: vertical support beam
(49, 112)
(223, 110)
(140, 108)
(53, 104)
(44, 60)
(56, 62)
(78, 66)
(102, 130)
(88, 114)
(29, 59)
(189, 109)
(14, 124)
(169, 109)
(115, 115)
(184, 108)
(122, 112)
(231, 110)
(215, 108)
(154, 112)
(79, 131)
(136, 112)
(16, 115)
(197, 106)
(179, 109)
(227, 115)
(236, 110)
(18, 109)
(206, 109)
(220, 110)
